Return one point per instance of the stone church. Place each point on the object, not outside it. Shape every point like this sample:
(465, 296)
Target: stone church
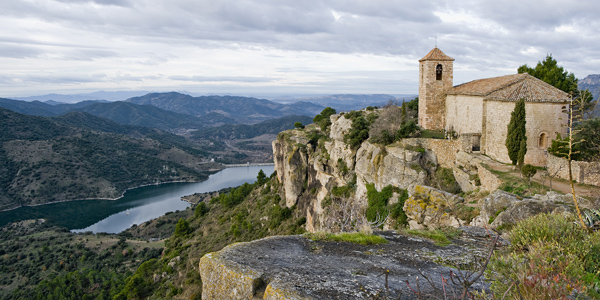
(479, 111)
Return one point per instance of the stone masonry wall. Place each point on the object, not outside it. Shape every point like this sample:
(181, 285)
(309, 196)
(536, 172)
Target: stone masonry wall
(445, 150)
(464, 114)
(541, 118)
(583, 172)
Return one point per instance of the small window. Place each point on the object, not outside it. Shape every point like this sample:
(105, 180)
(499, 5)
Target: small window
(543, 140)
(438, 72)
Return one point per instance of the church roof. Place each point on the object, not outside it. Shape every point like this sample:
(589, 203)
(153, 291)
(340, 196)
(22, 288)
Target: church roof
(436, 54)
(511, 88)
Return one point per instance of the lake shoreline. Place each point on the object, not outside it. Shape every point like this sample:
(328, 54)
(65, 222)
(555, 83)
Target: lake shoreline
(108, 199)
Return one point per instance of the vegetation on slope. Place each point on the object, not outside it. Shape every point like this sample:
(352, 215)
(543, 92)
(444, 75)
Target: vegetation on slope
(41, 261)
(44, 160)
(550, 257)
(245, 213)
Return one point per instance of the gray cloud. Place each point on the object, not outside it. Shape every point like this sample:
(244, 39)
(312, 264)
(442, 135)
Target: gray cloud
(147, 37)
(221, 79)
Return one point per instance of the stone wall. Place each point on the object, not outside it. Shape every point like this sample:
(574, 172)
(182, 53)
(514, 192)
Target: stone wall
(464, 114)
(583, 171)
(543, 120)
(445, 150)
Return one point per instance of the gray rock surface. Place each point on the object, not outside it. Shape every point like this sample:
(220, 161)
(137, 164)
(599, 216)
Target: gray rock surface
(502, 208)
(293, 267)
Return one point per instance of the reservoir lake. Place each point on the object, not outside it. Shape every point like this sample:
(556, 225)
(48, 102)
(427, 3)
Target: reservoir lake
(135, 207)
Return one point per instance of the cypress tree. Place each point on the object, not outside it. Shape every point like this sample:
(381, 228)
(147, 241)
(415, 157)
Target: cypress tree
(516, 133)
(522, 151)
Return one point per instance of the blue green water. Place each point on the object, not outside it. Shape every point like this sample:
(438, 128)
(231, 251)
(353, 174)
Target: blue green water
(135, 207)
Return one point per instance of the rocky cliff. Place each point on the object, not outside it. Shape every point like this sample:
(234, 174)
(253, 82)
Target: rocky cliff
(313, 164)
(310, 163)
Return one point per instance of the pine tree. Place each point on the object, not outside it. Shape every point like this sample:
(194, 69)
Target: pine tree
(516, 132)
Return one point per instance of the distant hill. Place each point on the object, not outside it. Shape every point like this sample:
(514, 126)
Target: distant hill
(149, 116)
(44, 109)
(244, 109)
(125, 113)
(348, 102)
(79, 156)
(592, 83)
(242, 131)
(100, 95)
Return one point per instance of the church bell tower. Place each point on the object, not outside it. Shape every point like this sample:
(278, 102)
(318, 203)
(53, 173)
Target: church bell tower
(435, 79)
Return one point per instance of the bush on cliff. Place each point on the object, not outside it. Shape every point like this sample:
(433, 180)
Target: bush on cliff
(323, 119)
(550, 257)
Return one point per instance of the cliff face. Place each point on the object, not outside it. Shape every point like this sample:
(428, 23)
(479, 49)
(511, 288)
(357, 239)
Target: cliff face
(310, 166)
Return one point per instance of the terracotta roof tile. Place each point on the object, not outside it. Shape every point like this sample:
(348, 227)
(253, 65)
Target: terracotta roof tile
(436, 54)
(511, 88)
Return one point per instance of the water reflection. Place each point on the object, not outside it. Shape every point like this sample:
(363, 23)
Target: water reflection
(137, 206)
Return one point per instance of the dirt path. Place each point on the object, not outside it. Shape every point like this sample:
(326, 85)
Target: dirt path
(559, 185)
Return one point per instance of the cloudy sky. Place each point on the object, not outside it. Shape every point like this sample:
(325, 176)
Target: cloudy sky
(281, 47)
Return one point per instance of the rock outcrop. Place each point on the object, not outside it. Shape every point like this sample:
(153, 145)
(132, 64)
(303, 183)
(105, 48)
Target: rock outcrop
(294, 267)
(309, 166)
(504, 209)
(428, 207)
(310, 163)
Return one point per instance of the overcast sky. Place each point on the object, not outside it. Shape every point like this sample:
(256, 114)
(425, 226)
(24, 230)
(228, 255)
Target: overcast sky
(249, 47)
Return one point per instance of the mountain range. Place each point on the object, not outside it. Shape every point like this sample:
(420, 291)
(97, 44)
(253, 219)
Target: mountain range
(172, 111)
(244, 109)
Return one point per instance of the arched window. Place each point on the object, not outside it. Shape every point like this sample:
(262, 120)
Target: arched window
(438, 72)
(543, 140)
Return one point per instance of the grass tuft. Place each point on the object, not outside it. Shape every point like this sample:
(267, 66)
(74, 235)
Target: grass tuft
(352, 237)
(440, 237)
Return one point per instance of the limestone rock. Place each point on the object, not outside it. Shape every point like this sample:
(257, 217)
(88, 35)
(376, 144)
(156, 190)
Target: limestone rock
(339, 127)
(502, 208)
(293, 267)
(428, 207)
(291, 161)
(309, 172)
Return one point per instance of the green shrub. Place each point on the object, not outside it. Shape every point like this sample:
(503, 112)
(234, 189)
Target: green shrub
(407, 130)
(545, 228)
(323, 119)
(182, 228)
(397, 209)
(377, 201)
(550, 257)
(201, 209)
(445, 180)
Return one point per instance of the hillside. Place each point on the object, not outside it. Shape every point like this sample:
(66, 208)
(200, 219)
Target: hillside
(149, 116)
(45, 160)
(244, 109)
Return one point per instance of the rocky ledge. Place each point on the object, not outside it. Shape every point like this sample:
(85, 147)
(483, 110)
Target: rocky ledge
(294, 267)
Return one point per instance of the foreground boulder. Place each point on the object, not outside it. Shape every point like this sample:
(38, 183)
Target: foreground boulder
(429, 207)
(294, 267)
(502, 209)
